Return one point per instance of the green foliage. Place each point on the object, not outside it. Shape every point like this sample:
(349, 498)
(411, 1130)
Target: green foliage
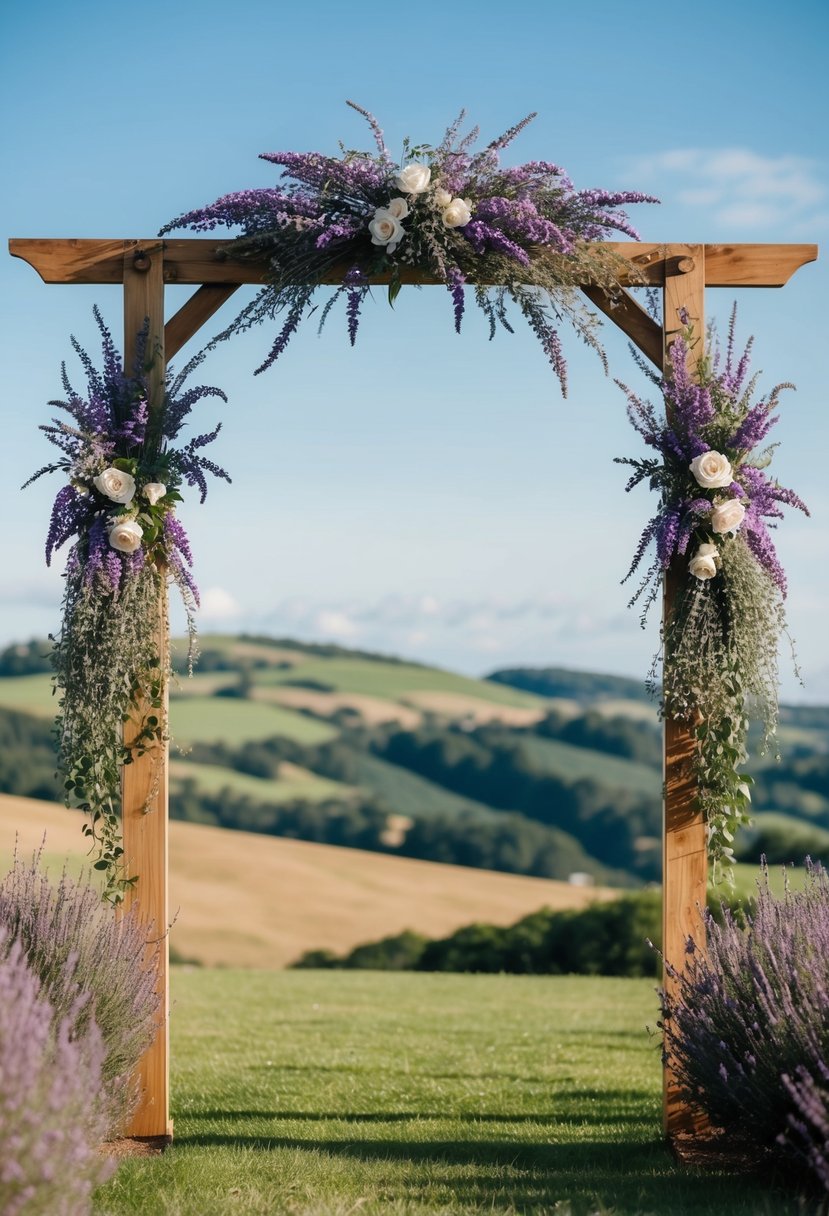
(583, 686)
(26, 658)
(608, 938)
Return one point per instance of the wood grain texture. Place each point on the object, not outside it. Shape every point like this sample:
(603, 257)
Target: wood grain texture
(204, 260)
(685, 847)
(189, 319)
(631, 317)
(144, 793)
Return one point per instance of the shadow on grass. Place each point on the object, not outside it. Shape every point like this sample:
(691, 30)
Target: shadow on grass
(627, 1175)
(549, 1118)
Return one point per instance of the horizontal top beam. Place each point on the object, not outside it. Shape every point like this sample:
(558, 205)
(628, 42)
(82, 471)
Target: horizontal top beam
(205, 260)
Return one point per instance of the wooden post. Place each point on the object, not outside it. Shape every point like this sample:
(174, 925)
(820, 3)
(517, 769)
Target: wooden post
(685, 854)
(144, 783)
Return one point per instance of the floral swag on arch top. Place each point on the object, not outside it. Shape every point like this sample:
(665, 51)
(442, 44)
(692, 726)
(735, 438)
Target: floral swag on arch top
(520, 237)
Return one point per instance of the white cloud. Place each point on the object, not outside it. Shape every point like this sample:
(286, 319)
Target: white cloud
(217, 604)
(331, 622)
(741, 187)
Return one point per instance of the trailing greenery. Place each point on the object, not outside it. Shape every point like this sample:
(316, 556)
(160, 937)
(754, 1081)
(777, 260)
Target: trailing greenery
(610, 938)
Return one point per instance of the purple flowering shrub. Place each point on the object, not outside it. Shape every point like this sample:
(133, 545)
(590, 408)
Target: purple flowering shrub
(452, 213)
(51, 1118)
(717, 507)
(125, 467)
(747, 1029)
(92, 968)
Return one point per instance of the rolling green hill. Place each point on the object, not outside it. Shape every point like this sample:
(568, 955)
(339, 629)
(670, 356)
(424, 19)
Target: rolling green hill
(282, 724)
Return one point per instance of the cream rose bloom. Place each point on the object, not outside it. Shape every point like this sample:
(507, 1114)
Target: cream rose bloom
(457, 214)
(703, 564)
(386, 229)
(126, 537)
(442, 198)
(399, 208)
(727, 516)
(115, 484)
(154, 490)
(712, 470)
(414, 179)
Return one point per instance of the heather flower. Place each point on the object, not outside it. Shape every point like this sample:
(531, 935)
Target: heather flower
(449, 211)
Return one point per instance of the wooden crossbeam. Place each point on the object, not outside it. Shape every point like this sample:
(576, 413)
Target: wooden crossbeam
(200, 260)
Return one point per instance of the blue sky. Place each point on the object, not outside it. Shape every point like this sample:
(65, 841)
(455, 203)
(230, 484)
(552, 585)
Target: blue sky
(423, 493)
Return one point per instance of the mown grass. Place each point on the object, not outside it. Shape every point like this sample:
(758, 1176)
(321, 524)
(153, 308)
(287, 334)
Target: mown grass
(323, 1094)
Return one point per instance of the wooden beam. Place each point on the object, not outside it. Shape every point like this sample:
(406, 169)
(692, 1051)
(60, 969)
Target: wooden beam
(201, 306)
(144, 795)
(630, 316)
(685, 845)
(204, 260)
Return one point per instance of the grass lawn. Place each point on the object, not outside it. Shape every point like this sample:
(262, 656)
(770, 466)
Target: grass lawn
(323, 1094)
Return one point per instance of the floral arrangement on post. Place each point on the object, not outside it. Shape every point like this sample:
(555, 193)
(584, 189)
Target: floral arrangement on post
(119, 506)
(717, 506)
(518, 234)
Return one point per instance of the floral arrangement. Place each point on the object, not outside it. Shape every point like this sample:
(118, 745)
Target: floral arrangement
(118, 508)
(518, 234)
(716, 509)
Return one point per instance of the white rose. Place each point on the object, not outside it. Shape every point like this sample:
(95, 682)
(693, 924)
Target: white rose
(457, 214)
(727, 516)
(115, 484)
(386, 229)
(414, 179)
(126, 537)
(703, 564)
(442, 198)
(712, 470)
(154, 490)
(399, 208)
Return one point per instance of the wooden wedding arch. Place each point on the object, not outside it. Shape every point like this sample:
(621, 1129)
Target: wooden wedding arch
(144, 267)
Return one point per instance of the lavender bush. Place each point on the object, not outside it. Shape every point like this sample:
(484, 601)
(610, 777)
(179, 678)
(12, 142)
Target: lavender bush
(748, 1028)
(51, 1123)
(77, 948)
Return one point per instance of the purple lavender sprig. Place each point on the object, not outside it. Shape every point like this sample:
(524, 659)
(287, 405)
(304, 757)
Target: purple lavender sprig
(324, 215)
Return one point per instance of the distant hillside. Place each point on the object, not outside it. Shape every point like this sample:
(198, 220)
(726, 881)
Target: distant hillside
(244, 900)
(533, 771)
(586, 687)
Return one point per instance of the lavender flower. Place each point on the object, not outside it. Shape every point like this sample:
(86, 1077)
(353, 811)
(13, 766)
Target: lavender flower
(318, 218)
(51, 1124)
(96, 972)
(747, 1030)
